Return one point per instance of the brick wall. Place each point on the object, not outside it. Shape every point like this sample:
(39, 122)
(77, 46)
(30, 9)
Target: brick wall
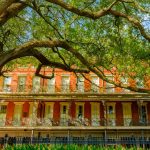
(135, 113)
(87, 110)
(73, 110)
(9, 113)
(119, 114)
(56, 111)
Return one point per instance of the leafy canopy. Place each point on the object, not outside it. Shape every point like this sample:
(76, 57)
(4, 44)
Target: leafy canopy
(78, 36)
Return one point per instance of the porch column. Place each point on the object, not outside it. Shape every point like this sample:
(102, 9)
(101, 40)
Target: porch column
(140, 103)
(34, 112)
(148, 112)
(102, 113)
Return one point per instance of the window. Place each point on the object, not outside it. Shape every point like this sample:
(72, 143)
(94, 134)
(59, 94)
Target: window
(21, 83)
(95, 84)
(51, 85)
(139, 83)
(64, 114)
(7, 84)
(80, 84)
(36, 84)
(3, 108)
(110, 110)
(80, 111)
(65, 83)
(64, 109)
(109, 86)
(124, 80)
(143, 114)
(111, 116)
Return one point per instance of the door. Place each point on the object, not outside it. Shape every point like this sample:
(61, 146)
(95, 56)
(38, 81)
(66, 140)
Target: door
(64, 115)
(111, 115)
(127, 114)
(17, 114)
(95, 114)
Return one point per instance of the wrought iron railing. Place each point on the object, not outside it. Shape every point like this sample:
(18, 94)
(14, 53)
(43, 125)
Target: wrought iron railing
(46, 89)
(48, 122)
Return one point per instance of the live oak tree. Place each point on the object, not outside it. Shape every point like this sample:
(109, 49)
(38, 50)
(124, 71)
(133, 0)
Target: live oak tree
(78, 36)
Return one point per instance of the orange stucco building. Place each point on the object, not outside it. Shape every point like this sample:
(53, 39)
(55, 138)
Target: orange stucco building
(70, 105)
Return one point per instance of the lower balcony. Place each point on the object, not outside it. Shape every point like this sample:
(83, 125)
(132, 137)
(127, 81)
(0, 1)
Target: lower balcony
(74, 123)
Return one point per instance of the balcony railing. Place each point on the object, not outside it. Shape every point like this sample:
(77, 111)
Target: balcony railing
(46, 89)
(48, 122)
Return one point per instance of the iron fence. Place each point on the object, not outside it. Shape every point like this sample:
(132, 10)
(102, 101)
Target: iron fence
(126, 141)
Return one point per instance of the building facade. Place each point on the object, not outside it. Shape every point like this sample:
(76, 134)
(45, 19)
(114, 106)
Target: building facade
(70, 105)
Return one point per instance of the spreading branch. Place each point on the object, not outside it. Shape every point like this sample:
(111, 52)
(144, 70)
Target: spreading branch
(28, 49)
(11, 12)
(103, 12)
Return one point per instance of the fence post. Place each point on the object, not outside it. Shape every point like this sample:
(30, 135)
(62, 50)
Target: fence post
(68, 137)
(32, 134)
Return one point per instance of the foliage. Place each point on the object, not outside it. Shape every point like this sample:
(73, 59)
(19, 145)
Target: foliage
(68, 147)
(105, 33)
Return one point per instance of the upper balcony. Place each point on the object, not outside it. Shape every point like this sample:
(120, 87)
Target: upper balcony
(43, 93)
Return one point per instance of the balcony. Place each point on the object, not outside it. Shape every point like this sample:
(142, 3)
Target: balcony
(75, 123)
(28, 93)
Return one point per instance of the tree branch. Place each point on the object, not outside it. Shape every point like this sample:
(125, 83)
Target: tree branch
(85, 13)
(4, 4)
(37, 73)
(10, 12)
(101, 13)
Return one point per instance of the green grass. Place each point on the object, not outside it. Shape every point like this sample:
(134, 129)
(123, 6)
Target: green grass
(67, 147)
